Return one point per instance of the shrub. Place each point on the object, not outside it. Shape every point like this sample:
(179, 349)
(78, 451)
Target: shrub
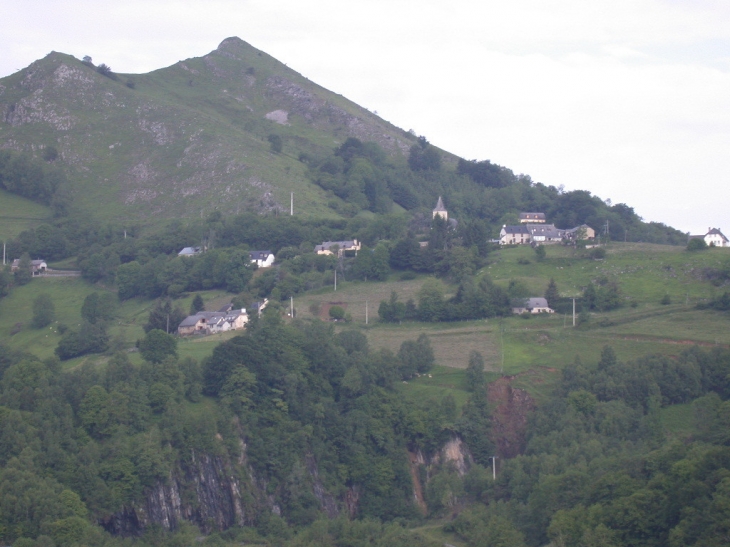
(598, 253)
(337, 313)
(666, 300)
(696, 244)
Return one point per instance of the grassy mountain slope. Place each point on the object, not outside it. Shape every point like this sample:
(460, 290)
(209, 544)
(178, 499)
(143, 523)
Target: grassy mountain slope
(188, 139)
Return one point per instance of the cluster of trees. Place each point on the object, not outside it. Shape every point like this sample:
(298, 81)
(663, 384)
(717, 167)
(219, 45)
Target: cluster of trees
(365, 179)
(38, 181)
(78, 446)
(598, 469)
(91, 336)
(473, 300)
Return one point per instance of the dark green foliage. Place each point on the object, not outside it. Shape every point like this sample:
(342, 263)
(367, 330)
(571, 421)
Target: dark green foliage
(164, 316)
(393, 311)
(337, 313)
(416, 357)
(90, 338)
(157, 345)
(485, 173)
(602, 296)
(198, 305)
(50, 153)
(540, 253)
(697, 244)
(551, 294)
(666, 300)
(105, 70)
(23, 275)
(99, 307)
(424, 157)
(44, 312)
(30, 178)
(475, 378)
(598, 253)
(721, 303)
(276, 143)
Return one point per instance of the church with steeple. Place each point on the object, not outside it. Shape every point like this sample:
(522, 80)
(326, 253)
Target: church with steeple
(440, 210)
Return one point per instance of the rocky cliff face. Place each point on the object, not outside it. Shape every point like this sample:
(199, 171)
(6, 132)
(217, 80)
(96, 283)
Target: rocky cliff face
(216, 493)
(206, 491)
(454, 453)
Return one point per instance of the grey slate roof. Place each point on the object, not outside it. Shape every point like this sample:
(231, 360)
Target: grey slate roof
(547, 230)
(519, 229)
(536, 302)
(259, 255)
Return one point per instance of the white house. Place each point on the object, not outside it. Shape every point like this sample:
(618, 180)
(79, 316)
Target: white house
(263, 259)
(514, 235)
(714, 238)
(533, 305)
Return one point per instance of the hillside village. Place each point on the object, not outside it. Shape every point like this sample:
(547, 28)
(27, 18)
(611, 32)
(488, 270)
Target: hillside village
(261, 330)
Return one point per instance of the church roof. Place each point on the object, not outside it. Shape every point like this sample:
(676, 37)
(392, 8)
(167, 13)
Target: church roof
(440, 205)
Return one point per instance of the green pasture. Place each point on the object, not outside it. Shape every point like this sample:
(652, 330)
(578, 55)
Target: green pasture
(67, 294)
(533, 350)
(18, 214)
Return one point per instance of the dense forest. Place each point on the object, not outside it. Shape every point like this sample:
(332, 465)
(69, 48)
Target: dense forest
(317, 416)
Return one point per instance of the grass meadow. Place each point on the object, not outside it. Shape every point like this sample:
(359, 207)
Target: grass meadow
(18, 214)
(532, 350)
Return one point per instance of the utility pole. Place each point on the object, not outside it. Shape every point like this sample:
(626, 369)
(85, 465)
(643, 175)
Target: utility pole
(291, 207)
(3, 253)
(574, 312)
(335, 279)
(291, 307)
(494, 467)
(366, 312)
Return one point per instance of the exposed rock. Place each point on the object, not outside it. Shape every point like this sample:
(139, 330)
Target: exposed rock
(509, 419)
(279, 116)
(215, 502)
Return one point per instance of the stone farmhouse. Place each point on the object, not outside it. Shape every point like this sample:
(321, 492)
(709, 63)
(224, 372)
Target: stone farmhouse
(533, 230)
(211, 322)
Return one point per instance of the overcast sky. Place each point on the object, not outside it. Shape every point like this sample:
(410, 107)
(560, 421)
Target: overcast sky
(628, 99)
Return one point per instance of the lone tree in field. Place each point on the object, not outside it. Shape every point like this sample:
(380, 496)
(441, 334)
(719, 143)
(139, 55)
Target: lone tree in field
(44, 311)
(337, 313)
(197, 305)
(475, 378)
(551, 293)
(157, 345)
